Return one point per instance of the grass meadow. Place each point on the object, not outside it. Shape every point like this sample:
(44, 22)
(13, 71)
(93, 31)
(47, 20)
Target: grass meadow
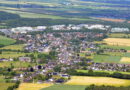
(6, 41)
(16, 64)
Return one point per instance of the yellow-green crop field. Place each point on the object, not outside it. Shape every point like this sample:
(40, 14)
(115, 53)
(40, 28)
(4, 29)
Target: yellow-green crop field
(125, 60)
(33, 86)
(9, 54)
(86, 80)
(16, 64)
(14, 47)
(4, 86)
(117, 41)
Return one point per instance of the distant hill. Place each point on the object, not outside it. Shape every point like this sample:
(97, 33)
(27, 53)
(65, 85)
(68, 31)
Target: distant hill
(113, 9)
(103, 1)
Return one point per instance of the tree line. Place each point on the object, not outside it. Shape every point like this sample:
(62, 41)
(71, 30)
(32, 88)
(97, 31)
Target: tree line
(100, 74)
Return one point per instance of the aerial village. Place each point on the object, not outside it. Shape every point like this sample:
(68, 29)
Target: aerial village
(55, 54)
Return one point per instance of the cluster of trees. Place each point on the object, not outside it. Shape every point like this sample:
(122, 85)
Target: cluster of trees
(41, 77)
(94, 87)
(104, 74)
(7, 72)
(44, 58)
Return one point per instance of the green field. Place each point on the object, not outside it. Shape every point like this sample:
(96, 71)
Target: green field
(65, 87)
(16, 64)
(119, 35)
(29, 14)
(10, 54)
(6, 41)
(4, 86)
(127, 55)
(115, 47)
(106, 58)
(2, 79)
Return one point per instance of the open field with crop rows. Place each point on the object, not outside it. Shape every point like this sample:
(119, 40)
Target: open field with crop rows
(85, 80)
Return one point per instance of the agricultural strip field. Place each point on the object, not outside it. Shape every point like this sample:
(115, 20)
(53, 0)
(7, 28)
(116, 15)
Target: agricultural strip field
(9, 51)
(10, 54)
(115, 47)
(65, 87)
(4, 86)
(119, 35)
(85, 80)
(6, 41)
(117, 41)
(14, 47)
(106, 58)
(28, 14)
(125, 60)
(33, 86)
(111, 72)
(16, 64)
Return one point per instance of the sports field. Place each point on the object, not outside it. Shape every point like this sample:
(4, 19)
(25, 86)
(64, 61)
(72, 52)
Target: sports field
(85, 80)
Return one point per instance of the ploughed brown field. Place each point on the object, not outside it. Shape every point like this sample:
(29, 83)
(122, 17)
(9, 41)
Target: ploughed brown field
(112, 20)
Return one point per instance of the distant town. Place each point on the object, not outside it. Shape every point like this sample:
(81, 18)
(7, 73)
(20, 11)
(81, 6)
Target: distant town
(65, 27)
